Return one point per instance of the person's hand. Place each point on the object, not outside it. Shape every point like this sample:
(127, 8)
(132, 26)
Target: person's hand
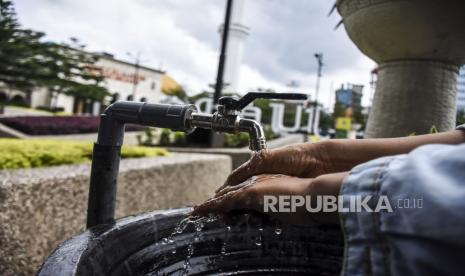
(305, 160)
(250, 194)
(308, 160)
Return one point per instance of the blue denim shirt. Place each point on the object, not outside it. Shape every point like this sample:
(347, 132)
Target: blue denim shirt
(425, 239)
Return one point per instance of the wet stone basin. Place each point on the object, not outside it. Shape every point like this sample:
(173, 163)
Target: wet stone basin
(154, 244)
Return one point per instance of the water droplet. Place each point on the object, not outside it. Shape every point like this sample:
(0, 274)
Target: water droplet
(199, 227)
(186, 265)
(228, 228)
(190, 250)
(170, 240)
(258, 239)
(173, 250)
(278, 231)
(164, 241)
(212, 218)
(223, 249)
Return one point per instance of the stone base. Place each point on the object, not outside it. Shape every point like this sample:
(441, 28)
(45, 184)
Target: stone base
(412, 96)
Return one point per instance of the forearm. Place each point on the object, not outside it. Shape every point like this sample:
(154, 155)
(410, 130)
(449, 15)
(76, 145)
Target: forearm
(343, 155)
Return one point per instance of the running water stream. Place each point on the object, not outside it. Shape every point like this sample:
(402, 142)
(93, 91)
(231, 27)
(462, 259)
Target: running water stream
(199, 223)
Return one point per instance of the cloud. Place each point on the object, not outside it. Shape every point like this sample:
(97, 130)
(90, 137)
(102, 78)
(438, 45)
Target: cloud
(182, 37)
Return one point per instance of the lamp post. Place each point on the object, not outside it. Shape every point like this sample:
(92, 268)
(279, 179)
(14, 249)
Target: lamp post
(319, 58)
(217, 140)
(224, 43)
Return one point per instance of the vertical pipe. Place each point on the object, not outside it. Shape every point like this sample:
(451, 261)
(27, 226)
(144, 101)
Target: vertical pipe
(104, 172)
(103, 185)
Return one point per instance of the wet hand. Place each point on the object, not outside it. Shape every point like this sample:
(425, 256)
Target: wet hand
(306, 160)
(250, 194)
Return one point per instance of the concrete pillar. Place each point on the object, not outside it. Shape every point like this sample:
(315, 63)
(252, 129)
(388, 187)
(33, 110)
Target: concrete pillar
(411, 97)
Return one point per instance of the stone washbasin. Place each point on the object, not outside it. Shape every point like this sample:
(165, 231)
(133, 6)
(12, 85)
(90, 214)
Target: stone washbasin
(388, 30)
(419, 47)
(147, 244)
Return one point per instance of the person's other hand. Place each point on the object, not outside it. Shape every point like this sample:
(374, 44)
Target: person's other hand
(249, 195)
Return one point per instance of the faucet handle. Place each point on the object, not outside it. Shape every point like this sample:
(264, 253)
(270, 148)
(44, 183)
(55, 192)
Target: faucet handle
(232, 103)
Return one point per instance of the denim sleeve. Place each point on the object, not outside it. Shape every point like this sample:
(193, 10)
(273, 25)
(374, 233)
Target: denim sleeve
(424, 232)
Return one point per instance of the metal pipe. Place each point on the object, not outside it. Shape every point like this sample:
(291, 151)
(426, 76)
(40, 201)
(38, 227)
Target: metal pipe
(104, 172)
(106, 153)
(201, 120)
(107, 149)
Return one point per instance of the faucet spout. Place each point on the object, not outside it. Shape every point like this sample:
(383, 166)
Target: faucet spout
(257, 140)
(231, 124)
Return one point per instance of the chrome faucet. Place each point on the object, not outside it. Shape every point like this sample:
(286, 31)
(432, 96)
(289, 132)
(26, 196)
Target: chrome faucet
(227, 119)
(106, 152)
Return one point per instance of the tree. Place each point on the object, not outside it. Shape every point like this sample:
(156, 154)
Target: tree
(26, 61)
(460, 119)
(326, 121)
(338, 111)
(359, 117)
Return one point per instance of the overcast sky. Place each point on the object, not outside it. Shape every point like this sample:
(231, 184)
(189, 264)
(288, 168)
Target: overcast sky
(181, 37)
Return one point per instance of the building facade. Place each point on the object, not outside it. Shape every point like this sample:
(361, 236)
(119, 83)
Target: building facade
(350, 96)
(123, 80)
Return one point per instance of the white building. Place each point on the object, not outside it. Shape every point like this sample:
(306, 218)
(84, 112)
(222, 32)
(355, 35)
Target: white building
(119, 79)
(461, 90)
(237, 35)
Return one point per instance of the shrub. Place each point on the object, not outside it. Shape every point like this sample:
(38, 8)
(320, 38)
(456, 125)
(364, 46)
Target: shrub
(16, 153)
(56, 125)
(165, 137)
(180, 138)
(236, 140)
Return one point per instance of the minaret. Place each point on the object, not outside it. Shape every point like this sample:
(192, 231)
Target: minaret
(237, 34)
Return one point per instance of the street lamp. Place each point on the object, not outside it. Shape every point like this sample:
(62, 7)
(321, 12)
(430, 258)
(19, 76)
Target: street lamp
(319, 58)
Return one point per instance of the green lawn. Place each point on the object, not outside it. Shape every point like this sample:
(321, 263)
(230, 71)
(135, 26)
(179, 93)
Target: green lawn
(23, 153)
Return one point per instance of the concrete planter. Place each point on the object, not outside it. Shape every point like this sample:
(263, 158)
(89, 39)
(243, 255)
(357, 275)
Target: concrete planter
(419, 47)
(40, 208)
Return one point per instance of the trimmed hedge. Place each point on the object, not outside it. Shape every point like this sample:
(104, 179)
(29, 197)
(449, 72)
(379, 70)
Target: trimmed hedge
(18, 153)
(57, 125)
